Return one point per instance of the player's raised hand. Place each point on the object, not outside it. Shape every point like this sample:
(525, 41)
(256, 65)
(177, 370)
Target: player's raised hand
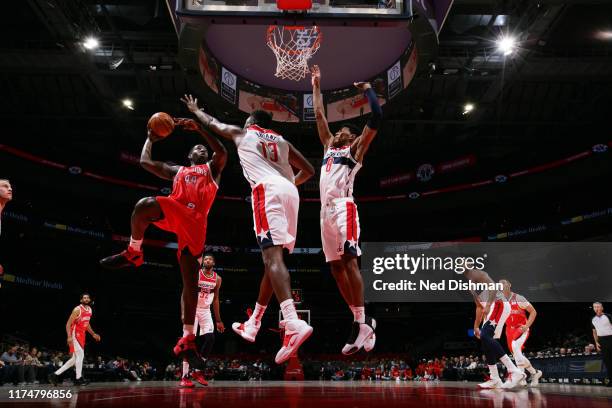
(190, 102)
(186, 124)
(152, 136)
(362, 86)
(220, 327)
(315, 73)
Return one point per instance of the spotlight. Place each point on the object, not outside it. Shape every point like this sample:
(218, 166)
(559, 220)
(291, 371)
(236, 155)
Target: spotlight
(128, 103)
(506, 45)
(91, 43)
(467, 108)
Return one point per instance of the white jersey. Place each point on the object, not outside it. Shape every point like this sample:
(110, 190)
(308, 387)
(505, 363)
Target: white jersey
(207, 285)
(263, 153)
(338, 174)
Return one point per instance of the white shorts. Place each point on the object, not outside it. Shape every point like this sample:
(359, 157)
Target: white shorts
(340, 229)
(275, 202)
(204, 321)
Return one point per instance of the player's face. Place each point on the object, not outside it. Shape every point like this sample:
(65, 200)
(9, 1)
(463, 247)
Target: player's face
(85, 300)
(507, 287)
(208, 262)
(6, 191)
(198, 154)
(597, 308)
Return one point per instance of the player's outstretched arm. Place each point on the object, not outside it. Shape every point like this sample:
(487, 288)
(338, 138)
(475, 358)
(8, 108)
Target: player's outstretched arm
(224, 130)
(317, 101)
(362, 143)
(217, 306)
(160, 169)
(297, 160)
(219, 157)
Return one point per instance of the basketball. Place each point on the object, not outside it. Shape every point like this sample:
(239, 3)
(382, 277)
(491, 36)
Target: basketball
(161, 124)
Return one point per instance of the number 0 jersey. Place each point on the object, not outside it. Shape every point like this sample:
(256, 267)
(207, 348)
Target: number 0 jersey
(338, 174)
(263, 153)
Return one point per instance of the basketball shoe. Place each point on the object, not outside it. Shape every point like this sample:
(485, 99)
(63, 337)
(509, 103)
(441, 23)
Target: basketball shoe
(186, 383)
(128, 257)
(247, 330)
(296, 333)
(360, 333)
(491, 384)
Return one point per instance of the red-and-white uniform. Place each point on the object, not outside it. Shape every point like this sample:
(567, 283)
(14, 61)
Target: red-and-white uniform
(264, 156)
(518, 318)
(339, 218)
(207, 285)
(499, 312)
(79, 327)
(186, 208)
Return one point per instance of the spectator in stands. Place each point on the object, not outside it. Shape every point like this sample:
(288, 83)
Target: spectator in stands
(13, 371)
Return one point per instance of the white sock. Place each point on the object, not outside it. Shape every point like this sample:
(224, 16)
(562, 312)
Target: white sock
(359, 314)
(185, 369)
(187, 329)
(493, 372)
(135, 244)
(257, 313)
(288, 309)
(509, 364)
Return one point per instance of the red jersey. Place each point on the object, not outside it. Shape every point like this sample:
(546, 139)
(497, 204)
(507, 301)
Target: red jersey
(195, 188)
(517, 317)
(81, 323)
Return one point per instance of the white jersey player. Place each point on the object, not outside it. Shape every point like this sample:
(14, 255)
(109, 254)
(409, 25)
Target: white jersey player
(267, 160)
(343, 154)
(209, 286)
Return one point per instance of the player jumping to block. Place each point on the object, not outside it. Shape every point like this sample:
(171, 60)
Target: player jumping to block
(267, 159)
(343, 154)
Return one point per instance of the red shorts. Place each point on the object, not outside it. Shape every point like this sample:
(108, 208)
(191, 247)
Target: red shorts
(188, 225)
(80, 338)
(514, 333)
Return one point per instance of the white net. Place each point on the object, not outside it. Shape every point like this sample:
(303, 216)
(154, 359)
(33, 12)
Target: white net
(293, 46)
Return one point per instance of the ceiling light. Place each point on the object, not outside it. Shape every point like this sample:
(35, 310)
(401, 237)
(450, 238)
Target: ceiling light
(91, 43)
(506, 45)
(128, 103)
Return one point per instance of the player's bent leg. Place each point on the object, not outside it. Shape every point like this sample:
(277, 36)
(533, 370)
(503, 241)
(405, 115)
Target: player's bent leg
(296, 330)
(249, 329)
(146, 211)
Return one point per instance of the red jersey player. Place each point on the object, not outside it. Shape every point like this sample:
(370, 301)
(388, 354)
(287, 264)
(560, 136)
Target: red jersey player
(267, 159)
(184, 212)
(77, 325)
(517, 330)
(343, 154)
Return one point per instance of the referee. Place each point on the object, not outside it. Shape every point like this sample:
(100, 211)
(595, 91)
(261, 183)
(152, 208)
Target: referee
(602, 333)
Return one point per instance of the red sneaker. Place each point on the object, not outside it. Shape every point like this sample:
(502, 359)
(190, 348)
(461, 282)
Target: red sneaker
(199, 377)
(185, 344)
(129, 257)
(186, 383)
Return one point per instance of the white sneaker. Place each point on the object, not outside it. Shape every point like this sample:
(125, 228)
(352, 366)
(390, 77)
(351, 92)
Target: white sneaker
(535, 379)
(513, 380)
(296, 333)
(523, 383)
(247, 330)
(369, 343)
(491, 384)
(360, 333)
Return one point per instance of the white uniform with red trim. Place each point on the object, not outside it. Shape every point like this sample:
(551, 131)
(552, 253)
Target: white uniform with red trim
(207, 285)
(264, 156)
(499, 312)
(339, 218)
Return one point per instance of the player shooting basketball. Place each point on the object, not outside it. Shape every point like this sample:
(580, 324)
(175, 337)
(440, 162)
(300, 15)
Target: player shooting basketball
(343, 154)
(185, 213)
(267, 159)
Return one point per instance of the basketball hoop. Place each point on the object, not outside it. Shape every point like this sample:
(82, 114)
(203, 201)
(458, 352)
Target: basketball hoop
(293, 47)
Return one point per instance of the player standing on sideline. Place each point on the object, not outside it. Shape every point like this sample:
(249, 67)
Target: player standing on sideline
(517, 330)
(77, 325)
(6, 195)
(267, 160)
(493, 309)
(184, 212)
(209, 284)
(602, 334)
(343, 154)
